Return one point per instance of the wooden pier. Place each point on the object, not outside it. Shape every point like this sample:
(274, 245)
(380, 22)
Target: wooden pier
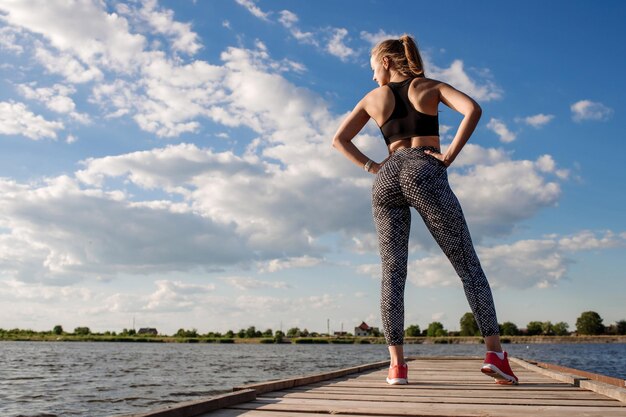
(438, 386)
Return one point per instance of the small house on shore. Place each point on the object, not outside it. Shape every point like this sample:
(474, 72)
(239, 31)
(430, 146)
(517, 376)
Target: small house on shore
(364, 330)
(148, 330)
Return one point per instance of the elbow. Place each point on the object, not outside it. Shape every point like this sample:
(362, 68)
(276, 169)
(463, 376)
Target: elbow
(477, 111)
(336, 142)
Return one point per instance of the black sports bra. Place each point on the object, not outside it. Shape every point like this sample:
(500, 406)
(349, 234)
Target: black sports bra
(405, 121)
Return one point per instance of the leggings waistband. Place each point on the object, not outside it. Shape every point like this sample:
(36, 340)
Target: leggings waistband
(416, 152)
(418, 149)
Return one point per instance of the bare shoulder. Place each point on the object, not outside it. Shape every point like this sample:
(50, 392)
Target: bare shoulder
(456, 99)
(426, 83)
(377, 98)
(378, 103)
(377, 94)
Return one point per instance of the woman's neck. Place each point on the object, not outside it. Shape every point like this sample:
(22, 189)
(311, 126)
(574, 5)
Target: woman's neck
(397, 78)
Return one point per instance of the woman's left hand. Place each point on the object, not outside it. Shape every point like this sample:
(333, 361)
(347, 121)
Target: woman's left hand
(438, 156)
(375, 168)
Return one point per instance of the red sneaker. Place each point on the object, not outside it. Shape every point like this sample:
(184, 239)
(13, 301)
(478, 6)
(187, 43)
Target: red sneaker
(398, 375)
(499, 369)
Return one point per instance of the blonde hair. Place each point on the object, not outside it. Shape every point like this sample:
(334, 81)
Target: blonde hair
(404, 55)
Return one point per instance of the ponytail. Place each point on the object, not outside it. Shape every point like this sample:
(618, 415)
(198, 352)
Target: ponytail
(403, 53)
(413, 57)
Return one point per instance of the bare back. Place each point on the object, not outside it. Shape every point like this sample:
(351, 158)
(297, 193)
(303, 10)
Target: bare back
(424, 96)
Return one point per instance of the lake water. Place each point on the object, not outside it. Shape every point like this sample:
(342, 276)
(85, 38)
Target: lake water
(105, 379)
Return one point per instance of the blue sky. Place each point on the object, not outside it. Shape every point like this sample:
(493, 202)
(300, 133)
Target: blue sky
(170, 161)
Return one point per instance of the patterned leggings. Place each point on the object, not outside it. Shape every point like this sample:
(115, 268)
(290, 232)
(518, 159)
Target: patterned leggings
(411, 178)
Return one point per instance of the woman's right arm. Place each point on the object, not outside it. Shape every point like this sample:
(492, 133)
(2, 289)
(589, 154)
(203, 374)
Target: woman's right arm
(348, 129)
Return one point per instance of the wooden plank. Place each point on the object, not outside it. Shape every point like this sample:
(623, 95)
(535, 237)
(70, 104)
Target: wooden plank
(228, 412)
(449, 399)
(309, 379)
(416, 378)
(438, 387)
(198, 407)
(447, 392)
(605, 389)
(618, 382)
(427, 409)
(560, 376)
(486, 384)
(444, 358)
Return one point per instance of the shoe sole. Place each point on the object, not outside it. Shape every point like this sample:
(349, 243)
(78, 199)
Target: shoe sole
(500, 377)
(397, 381)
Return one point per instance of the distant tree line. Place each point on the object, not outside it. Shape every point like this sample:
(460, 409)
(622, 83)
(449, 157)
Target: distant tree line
(589, 323)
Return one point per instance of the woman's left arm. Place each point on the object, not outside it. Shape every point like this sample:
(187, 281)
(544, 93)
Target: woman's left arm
(471, 111)
(348, 129)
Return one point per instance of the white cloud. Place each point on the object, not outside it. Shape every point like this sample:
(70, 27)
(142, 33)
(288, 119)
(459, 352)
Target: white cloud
(262, 305)
(289, 19)
(524, 264)
(168, 98)
(439, 316)
(590, 110)
(336, 45)
(274, 265)
(431, 272)
(176, 295)
(528, 263)
(375, 38)
(16, 119)
(587, 240)
(82, 29)
(55, 98)
(117, 98)
(13, 289)
(163, 94)
(183, 38)
(254, 9)
(456, 76)
(364, 243)
(323, 301)
(545, 163)
(247, 283)
(477, 155)
(500, 129)
(213, 185)
(64, 64)
(8, 39)
(496, 197)
(537, 121)
(69, 233)
(202, 191)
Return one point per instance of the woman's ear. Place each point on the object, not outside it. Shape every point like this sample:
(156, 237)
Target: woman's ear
(386, 63)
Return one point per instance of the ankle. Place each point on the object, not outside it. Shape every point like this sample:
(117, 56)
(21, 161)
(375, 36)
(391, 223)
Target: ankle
(500, 353)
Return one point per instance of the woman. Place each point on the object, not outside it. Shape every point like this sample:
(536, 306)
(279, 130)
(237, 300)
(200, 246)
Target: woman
(414, 175)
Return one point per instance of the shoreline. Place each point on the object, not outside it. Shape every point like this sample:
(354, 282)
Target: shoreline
(318, 340)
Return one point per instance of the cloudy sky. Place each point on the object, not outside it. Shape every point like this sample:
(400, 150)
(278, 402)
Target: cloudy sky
(170, 161)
